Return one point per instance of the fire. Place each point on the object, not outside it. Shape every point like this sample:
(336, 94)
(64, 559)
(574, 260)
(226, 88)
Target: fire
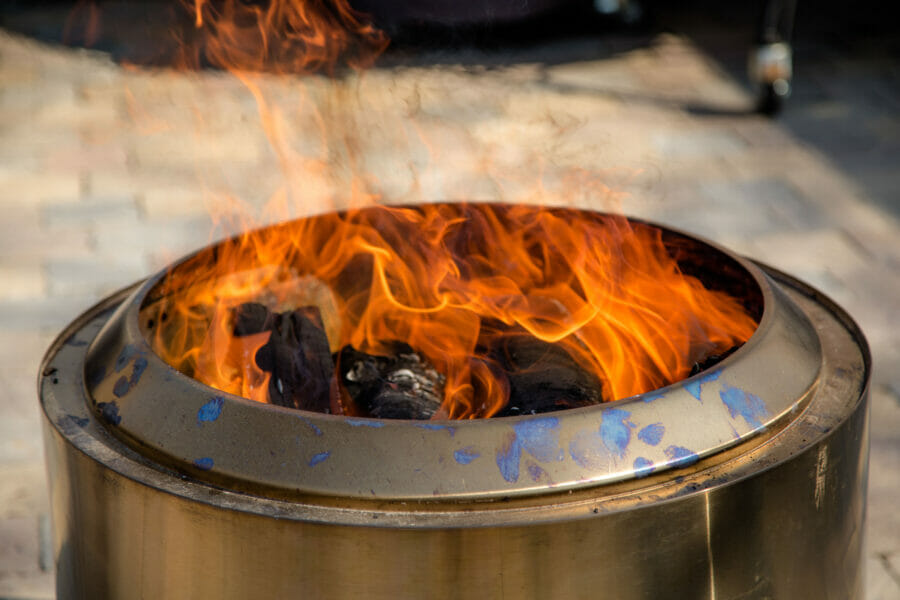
(459, 284)
(285, 36)
(453, 281)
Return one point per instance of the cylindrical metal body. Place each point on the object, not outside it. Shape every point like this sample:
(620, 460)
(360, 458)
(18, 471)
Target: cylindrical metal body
(778, 514)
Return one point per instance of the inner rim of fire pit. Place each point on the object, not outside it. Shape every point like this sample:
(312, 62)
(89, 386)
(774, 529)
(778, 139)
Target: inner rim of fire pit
(226, 439)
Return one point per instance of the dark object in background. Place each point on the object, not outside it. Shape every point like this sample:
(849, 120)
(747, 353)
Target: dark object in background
(770, 60)
(770, 64)
(391, 14)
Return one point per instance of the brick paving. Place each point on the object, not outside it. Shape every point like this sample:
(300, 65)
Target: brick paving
(106, 173)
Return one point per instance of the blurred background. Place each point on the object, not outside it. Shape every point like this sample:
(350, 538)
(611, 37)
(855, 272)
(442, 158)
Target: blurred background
(110, 161)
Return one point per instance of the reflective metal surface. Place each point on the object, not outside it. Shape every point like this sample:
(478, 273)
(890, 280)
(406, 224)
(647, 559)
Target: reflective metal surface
(282, 453)
(777, 516)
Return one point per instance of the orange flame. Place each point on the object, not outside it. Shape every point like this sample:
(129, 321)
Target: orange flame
(285, 36)
(452, 280)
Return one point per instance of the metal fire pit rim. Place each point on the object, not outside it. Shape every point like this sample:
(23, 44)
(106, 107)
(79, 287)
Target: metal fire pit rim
(395, 514)
(524, 462)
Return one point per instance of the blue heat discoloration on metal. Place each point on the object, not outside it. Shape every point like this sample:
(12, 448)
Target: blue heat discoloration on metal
(210, 411)
(642, 467)
(745, 404)
(535, 472)
(364, 423)
(648, 398)
(680, 457)
(652, 434)
(204, 464)
(140, 365)
(538, 437)
(317, 458)
(124, 356)
(435, 427)
(508, 458)
(311, 425)
(465, 455)
(80, 421)
(121, 387)
(695, 386)
(593, 449)
(110, 412)
(615, 430)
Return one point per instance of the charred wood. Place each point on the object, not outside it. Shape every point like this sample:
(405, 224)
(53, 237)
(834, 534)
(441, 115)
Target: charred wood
(297, 354)
(712, 360)
(543, 377)
(402, 386)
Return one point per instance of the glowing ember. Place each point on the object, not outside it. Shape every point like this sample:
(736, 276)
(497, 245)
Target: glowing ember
(454, 282)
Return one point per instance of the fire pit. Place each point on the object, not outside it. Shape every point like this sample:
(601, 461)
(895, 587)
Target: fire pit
(738, 472)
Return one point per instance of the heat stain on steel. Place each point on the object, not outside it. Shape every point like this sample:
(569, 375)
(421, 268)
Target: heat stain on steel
(695, 387)
(204, 464)
(364, 423)
(125, 384)
(538, 437)
(652, 434)
(110, 412)
(642, 467)
(536, 473)
(745, 404)
(124, 356)
(81, 422)
(648, 398)
(435, 427)
(318, 458)
(615, 430)
(311, 425)
(680, 456)
(210, 411)
(465, 455)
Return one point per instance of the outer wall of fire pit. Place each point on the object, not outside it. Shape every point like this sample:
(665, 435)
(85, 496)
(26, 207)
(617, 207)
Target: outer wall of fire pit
(777, 515)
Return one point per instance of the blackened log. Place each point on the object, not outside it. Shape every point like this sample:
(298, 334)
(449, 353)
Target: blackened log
(401, 386)
(297, 355)
(251, 318)
(543, 377)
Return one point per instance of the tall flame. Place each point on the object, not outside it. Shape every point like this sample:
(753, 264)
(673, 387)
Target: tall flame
(451, 281)
(284, 36)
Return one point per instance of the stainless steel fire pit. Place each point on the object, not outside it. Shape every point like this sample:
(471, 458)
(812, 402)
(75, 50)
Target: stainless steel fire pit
(744, 481)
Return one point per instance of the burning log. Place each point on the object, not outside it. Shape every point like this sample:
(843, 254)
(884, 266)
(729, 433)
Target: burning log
(403, 386)
(296, 355)
(543, 377)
